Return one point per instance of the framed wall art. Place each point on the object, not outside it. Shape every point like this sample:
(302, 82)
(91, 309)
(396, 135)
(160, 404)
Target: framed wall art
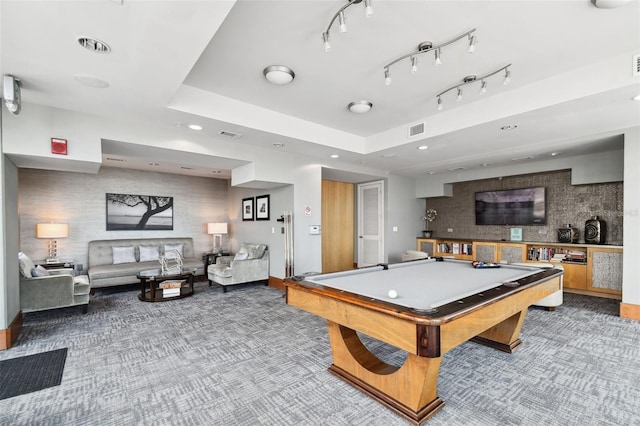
(126, 212)
(262, 207)
(247, 208)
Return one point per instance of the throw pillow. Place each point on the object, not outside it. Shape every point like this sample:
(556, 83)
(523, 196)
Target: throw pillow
(149, 253)
(176, 247)
(123, 255)
(26, 265)
(241, 255)
(39, 271)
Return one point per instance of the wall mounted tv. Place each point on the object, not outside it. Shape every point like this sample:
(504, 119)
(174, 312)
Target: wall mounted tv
(526, 206)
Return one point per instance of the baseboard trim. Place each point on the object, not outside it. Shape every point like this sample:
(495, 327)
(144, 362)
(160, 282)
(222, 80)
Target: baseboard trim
(629, 311)
(276, 283)
(10, 335)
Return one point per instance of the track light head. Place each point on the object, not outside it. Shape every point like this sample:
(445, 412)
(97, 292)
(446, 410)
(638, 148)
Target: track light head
(483, 87)
(440, 104)
(438, 60)
(507, 76)
(387, 77)
(414, 65)
(325, 39)
(472, 43)
(459, 96)
(343, 22)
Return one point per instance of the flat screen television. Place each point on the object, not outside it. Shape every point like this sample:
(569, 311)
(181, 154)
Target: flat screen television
(526, 206)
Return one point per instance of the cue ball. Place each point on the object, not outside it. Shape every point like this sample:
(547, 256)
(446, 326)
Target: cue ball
(393, 294)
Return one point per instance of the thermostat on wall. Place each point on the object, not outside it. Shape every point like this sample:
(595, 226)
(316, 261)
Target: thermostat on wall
(315, 229)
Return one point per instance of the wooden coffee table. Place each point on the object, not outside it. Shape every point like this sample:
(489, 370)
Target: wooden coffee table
(155, 276)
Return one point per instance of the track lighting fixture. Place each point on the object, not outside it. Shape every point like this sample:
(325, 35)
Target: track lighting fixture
(426, 47)
(472, 79)
(342, 21)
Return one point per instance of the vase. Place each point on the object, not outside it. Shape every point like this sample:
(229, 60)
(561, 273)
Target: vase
(594, 231)
(427, 234)
(568, 234)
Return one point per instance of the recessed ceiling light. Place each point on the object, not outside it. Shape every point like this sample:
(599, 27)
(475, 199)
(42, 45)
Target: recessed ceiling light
(278, 145)
(485, 164)
(528, 157)
(636, 98)
(91, 81)
(553, 154)
(453, 169)
(229, 134)
(423, 147)
(278, 74)
(93, 44)
(609, 4)
(335, 156)
(154, 164)
(186, 168)
(509, 127)
(360, 107)
(195, 127)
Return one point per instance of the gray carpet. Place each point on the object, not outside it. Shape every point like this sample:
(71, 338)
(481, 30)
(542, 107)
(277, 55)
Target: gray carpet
(245, 358)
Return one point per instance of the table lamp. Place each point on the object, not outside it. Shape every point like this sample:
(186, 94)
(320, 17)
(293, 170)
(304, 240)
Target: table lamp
(217, 229)
(52, 231)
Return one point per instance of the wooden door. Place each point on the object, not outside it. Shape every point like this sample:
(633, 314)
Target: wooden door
(337, 226)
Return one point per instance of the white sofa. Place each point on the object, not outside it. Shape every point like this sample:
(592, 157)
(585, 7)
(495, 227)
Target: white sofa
(249, 264)
(105, 271)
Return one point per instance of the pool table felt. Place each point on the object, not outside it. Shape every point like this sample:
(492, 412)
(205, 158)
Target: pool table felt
(423, 284)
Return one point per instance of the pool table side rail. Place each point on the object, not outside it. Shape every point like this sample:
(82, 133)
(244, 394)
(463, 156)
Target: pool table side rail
(445, 313)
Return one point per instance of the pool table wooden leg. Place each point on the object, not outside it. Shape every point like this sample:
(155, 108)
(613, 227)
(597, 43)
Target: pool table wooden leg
(504, 336)
(409, 390)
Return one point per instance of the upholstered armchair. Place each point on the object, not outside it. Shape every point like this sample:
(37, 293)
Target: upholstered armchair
(250, 264)
(42, 289)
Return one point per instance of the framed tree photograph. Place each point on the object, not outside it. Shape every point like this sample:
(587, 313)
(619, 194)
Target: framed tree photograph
(262, 207)
(126, 212)
(247, 208)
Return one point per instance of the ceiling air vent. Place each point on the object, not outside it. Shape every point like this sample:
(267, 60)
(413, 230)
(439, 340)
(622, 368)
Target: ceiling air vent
(229, 134)
(636, 64)
(416, 130)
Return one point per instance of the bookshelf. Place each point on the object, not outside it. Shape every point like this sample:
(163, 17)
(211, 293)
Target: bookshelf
(589, 269)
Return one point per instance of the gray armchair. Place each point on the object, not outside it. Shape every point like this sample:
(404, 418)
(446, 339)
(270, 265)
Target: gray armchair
(250, 264)
(50, 289)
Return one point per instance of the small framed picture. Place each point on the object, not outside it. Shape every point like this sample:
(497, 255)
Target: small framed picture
(516, 234)
(262, 207)
(247, 208)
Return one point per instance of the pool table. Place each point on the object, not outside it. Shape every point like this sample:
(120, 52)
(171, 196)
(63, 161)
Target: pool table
(440, 304)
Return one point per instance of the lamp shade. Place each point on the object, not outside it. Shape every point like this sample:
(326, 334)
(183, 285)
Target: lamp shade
(217, 228)
(52, 230)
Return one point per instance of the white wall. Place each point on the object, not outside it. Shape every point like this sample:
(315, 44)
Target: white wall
(404, 211)
(79, 199)
(9, 269)
(631, 238)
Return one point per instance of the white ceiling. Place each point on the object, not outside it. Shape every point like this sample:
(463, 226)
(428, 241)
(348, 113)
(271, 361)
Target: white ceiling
(201, 62)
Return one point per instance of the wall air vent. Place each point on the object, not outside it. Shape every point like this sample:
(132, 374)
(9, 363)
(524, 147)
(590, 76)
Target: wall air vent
(416, 130)
(115, 159)
(229, 134)
(636, 64)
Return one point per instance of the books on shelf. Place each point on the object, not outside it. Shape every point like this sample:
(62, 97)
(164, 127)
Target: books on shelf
(171, 292)
(171, 284)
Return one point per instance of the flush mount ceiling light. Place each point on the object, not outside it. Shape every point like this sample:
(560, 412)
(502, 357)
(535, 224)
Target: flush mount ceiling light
(93, 44)
(279, 74)
(360, 107)
(609, 4)
(426, 47)
(423, 147)
(195, 127)
(368, 11)
(91, 81)
(335, 156)
(509, 127)
(472, 79)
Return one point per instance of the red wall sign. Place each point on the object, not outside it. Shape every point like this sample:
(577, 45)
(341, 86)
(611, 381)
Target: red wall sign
(58, 146)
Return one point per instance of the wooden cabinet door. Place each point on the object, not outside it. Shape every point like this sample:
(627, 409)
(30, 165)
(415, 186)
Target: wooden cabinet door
(575, 276)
